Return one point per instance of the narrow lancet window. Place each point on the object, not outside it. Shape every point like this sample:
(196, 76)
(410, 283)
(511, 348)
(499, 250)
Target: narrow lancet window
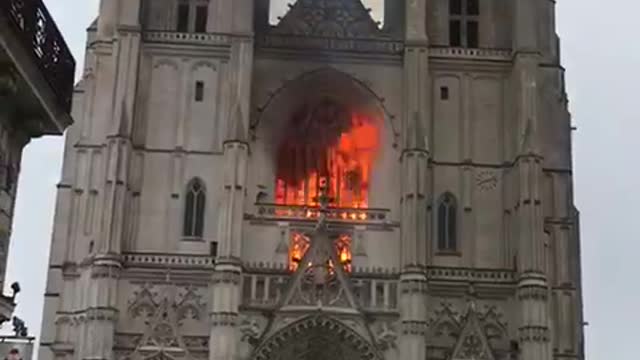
(182, 24)
(195, 200)
(447, 223)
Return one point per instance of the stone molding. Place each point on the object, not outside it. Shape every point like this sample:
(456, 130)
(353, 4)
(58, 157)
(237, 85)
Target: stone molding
(471, 275)
(225, 277)
(167, 260)
(89, 314)
(211, 39)
(224, 319)
(413, 327)
(295, 330)
(539, 334)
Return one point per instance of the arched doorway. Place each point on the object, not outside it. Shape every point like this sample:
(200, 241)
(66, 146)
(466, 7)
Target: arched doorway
(317, 337)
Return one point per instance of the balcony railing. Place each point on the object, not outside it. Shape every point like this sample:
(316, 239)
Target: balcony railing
(36, 31)
(275, 211)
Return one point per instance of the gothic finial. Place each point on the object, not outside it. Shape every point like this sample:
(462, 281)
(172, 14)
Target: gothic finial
(417, 138)
(236, 127)
(323, 199)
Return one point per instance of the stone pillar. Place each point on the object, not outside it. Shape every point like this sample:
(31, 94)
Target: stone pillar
(108, 18)
(225, 300)
(533, 288)
(226, 293)
(526, 17)
(225, 285)
(101, 312)
(415, 159)
(102, 277)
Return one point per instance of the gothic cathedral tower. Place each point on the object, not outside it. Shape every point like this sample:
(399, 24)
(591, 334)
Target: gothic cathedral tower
(323, 186)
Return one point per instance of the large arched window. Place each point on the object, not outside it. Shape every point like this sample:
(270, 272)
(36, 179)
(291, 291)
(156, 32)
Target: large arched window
(327, 140)
(447, 223)
(194, 206)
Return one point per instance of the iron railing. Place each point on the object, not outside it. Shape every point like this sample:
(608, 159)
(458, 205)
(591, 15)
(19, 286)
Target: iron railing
(36, 30)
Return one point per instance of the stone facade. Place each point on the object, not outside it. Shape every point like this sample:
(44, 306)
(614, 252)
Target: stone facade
(170, 238)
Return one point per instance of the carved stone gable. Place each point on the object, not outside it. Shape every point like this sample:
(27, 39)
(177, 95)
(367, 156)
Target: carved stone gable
(472, 343)
(162, 337)
(328, 18)
(320, 281)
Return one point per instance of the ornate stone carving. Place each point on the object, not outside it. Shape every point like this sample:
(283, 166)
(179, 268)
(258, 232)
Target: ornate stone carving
(448, 325)
(321, 280)
(315, 337)
(144, 303)
(472, 342)
(162, 338)
(445, 321)
(250, 330)
(328, 18)
(189, 305)
(196, 343)
(126, 341)
(486, 180)
(386, 336)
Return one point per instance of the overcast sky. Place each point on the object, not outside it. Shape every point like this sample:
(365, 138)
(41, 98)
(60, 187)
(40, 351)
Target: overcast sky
(602, 55)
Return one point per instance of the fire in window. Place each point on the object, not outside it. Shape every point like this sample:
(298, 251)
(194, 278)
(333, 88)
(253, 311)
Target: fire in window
(300, 244)
(297, 250)
(330, 141)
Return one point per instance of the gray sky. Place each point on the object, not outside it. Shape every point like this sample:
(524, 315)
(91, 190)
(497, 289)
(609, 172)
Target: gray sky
(602, 58)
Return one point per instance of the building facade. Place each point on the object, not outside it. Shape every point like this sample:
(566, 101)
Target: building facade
(320, 187)
(36, 87)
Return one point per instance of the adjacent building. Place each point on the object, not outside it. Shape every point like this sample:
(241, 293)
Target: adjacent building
(323, 186)
(36, 87)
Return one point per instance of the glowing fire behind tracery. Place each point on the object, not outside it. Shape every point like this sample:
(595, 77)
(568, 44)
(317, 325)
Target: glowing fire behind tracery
(327, 142)
(300, 244)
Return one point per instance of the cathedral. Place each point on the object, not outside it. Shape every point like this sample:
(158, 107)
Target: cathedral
(318, 185)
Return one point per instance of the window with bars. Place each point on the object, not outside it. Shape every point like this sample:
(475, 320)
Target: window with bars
(446, 223)
(195, 200)
(463, 23)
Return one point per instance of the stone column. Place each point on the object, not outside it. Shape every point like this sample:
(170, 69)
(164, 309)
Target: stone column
(226, 293)
(533, 288)
(415, 157)
(101, 313)
(102, 276)
(225, 284)
(108, 18)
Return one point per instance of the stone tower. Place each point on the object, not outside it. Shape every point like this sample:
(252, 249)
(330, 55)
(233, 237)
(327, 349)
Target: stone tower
(325, 187)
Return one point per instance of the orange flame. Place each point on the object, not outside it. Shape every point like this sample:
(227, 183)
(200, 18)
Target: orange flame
(346, 164)
(300, 244)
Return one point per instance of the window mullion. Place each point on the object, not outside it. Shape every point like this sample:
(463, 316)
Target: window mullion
(463, 28)
(192, 16)
(194, 211)
(447, 244)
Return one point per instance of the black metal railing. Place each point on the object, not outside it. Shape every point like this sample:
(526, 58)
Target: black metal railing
(38, 33)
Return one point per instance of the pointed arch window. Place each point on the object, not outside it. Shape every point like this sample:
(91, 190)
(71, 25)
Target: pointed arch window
(447, 223)
(195, 200)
